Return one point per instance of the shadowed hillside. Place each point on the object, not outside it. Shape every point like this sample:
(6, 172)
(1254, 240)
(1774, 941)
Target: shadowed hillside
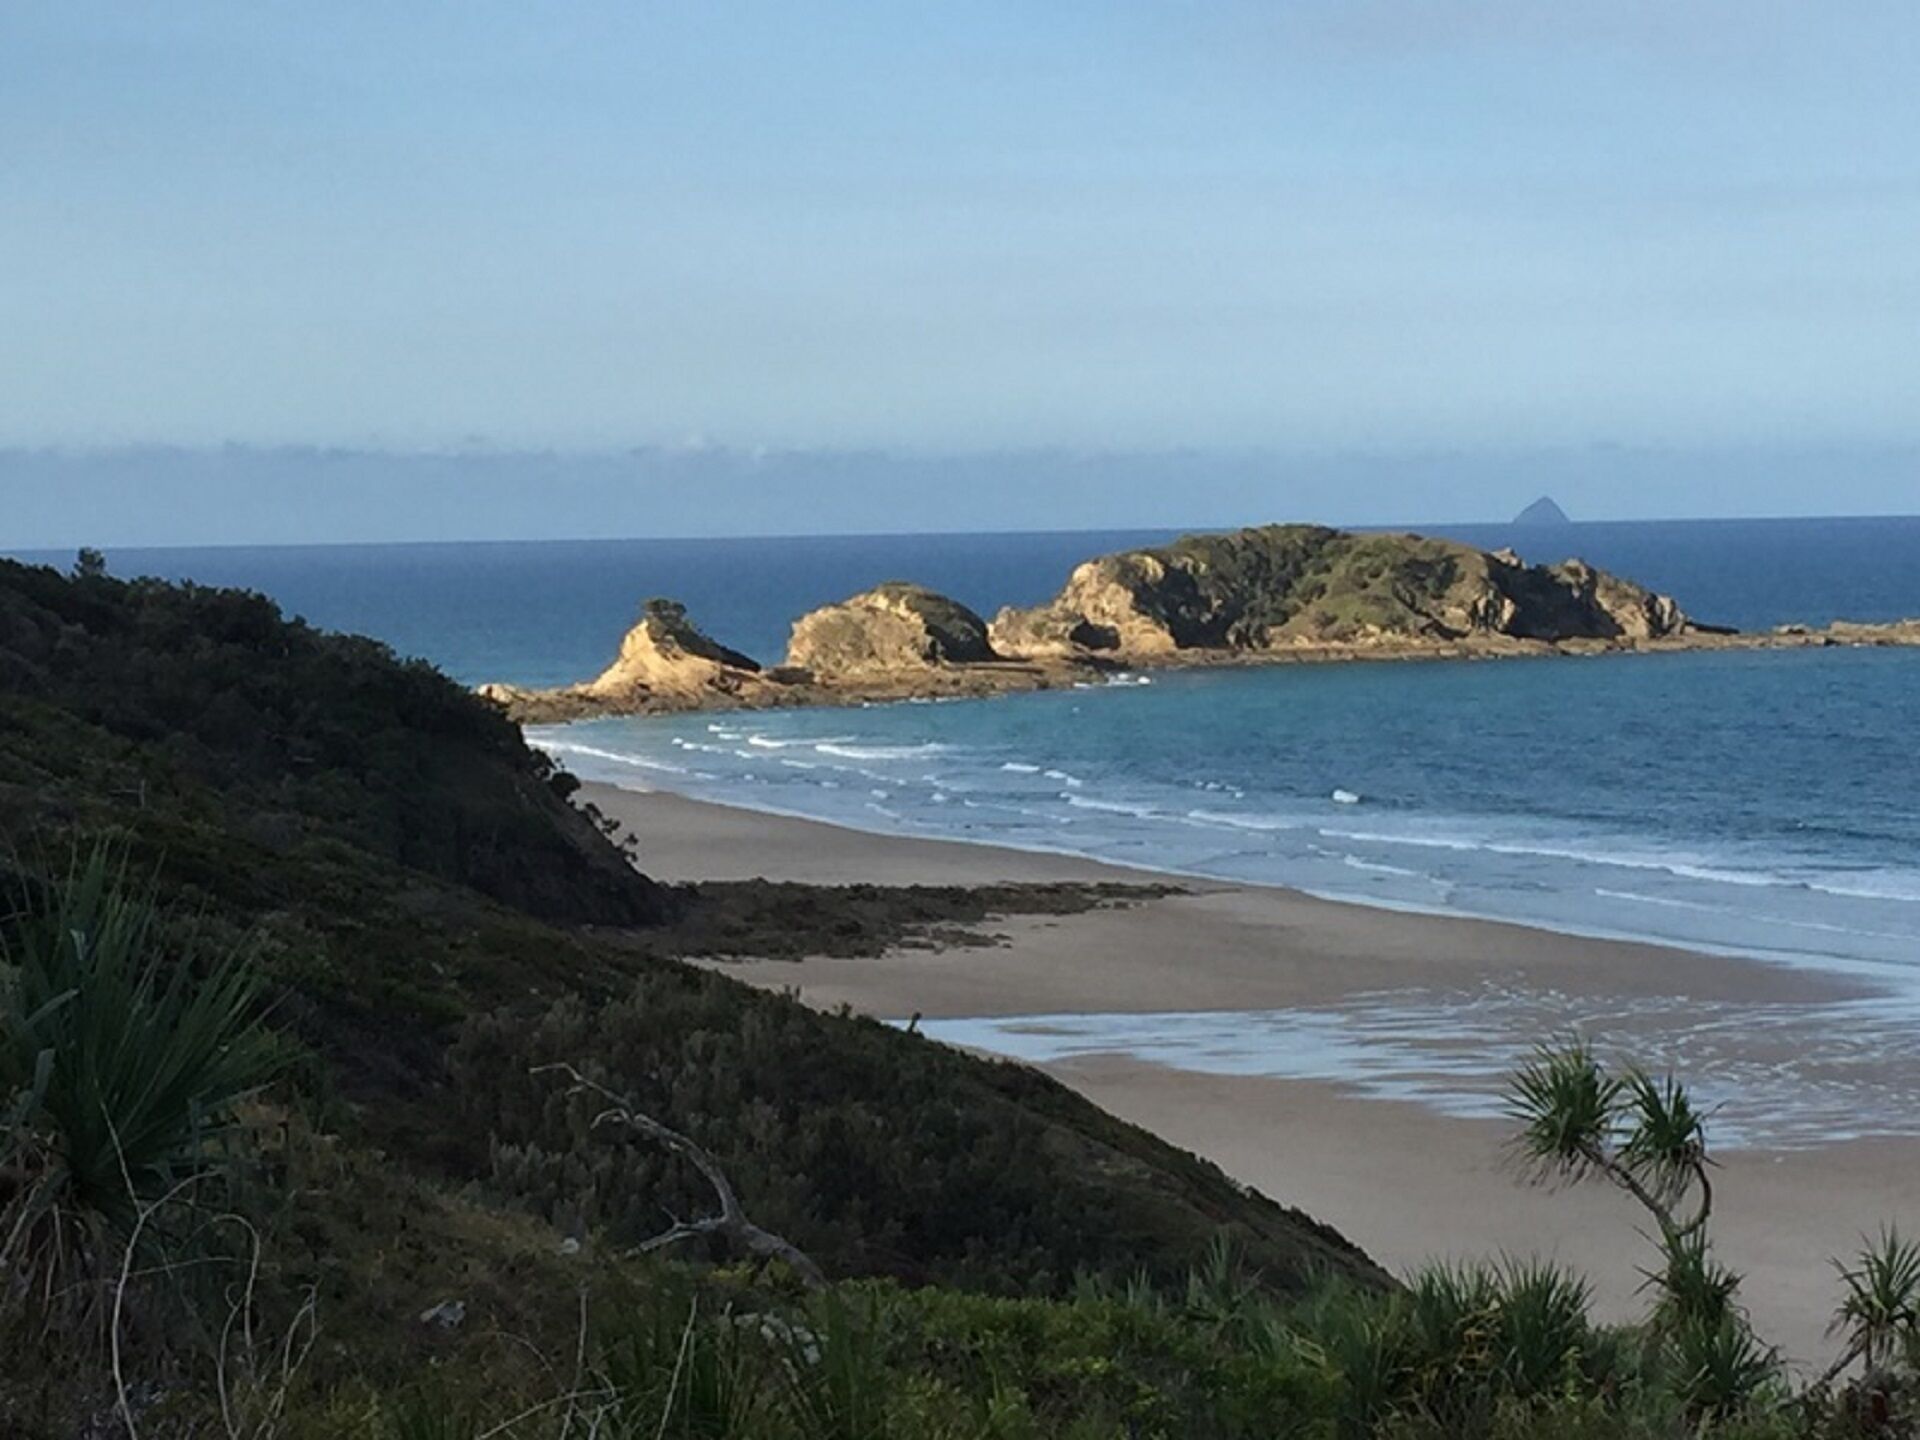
(147, 696)
(432, 919)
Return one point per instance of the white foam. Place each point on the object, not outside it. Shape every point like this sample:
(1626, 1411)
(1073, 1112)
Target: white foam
(1265, 824)
(1902, 885)
(1110, 807)
(1424, 842)
(1749, 915)
(1662, 900)
(1377, 868)
(769, 742)
(562, 747)
(1407, 1045)
(845, 751)
(1625, 860)
(1018, 768)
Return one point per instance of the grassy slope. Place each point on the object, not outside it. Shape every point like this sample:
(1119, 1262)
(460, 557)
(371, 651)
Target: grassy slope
(1310, 582)
(438, 918)
(1249, 581)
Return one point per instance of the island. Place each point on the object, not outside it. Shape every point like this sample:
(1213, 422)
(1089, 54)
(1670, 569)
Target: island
(1270, 594)
(1543, 512)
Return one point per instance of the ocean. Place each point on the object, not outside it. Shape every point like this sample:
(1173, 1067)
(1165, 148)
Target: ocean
(1763, 803)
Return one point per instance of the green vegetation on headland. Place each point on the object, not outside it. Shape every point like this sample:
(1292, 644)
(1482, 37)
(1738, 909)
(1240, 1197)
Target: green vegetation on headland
(1266, 595)
(350, 1082)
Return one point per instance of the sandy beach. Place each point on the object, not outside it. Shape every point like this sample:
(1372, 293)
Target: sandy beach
(1400, 1178)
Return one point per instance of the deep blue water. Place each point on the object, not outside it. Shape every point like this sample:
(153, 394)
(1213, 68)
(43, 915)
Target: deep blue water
(545, 613)
(1759, 802)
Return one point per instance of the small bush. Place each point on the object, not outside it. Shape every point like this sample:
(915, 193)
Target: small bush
(122, 1062)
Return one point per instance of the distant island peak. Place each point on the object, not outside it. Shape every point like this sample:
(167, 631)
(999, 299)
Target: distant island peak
(1544, 511)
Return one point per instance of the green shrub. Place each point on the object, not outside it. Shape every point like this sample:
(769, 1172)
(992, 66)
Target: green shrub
(124, 1058)
(1690, 1286)
(1879, 1315)
(1720, 1368)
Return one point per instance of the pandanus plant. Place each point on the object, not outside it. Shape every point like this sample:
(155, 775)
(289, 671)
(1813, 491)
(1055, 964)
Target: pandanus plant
(1879, 1313)
(1643, 1134)
(123, 1057)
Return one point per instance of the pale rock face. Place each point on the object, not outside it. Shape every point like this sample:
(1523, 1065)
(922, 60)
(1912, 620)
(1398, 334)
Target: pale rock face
(1282, 592)
(1640, 613)
(1128, 604)
(892, 628)
(665, 653)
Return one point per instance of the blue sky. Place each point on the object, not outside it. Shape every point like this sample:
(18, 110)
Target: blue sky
(1307, 230)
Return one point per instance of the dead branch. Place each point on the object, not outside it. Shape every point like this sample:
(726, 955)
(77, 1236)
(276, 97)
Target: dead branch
(731, 1224)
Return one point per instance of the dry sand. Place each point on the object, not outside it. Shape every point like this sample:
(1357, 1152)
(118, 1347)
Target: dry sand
(1401, 1180)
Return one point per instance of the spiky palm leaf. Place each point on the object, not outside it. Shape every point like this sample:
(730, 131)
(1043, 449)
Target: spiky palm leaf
(1880, 1312)
(1666, 1139)
(125, 1062)
(1690, 1286)
(1567, 1108)
(1720, 1367)
(1545, 1328)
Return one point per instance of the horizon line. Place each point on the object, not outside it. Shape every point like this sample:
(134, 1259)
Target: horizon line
(1413, 528)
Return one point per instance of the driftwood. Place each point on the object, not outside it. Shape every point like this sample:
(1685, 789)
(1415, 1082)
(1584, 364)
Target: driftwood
(731, 1224)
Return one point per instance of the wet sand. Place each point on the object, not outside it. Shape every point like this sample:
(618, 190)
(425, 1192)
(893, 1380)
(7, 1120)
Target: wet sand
(1402, 1180)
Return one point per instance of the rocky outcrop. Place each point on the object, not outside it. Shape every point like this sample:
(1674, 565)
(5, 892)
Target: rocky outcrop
(893, 642)
(891, 629)
(666, 648)
(1285, 588)
(1870, 633)
(1261, 596)
(665, 663)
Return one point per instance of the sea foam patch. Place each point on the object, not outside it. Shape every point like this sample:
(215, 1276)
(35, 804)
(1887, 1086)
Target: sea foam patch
(1773, 1076)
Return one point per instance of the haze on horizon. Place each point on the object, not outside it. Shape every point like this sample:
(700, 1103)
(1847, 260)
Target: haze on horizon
(1345, 259)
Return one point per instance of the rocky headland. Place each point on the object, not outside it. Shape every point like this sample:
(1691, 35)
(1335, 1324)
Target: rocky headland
(1266, 595)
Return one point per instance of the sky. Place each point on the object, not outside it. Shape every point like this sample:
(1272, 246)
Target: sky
(1451, 245)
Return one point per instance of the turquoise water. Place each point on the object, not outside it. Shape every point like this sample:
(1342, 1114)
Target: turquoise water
(1760, 802)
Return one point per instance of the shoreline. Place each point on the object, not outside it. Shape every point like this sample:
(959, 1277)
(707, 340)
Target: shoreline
(712, 840)
(1405, 1181)
(1855, 977)
(1861, 978)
